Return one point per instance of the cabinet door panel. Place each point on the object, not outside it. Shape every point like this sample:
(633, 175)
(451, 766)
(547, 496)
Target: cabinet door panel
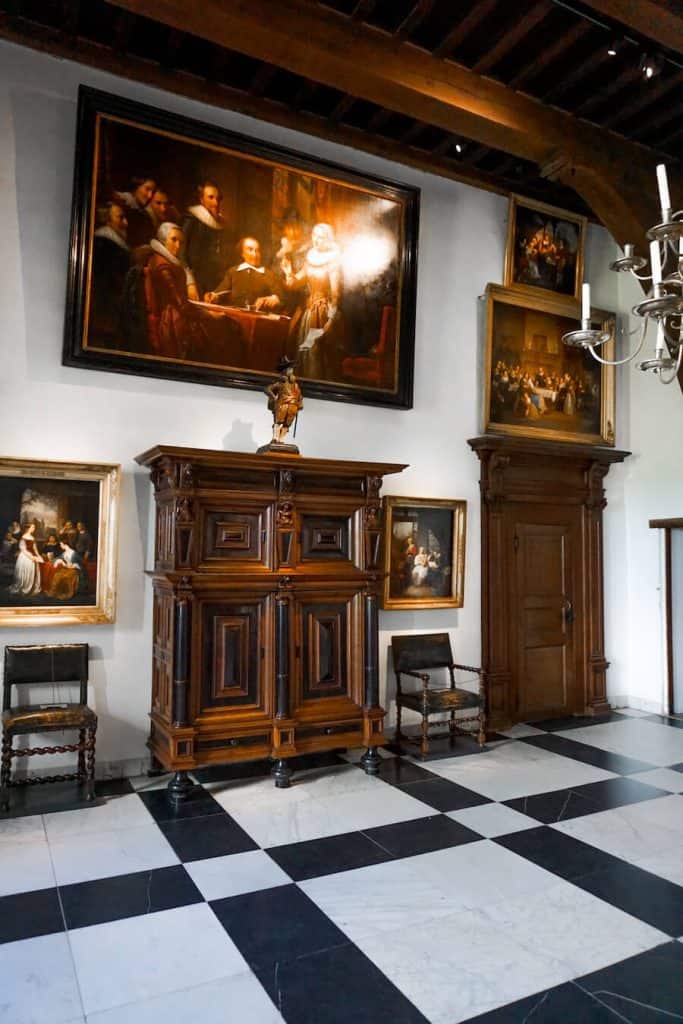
(327, 631)
(234, 665)
(236, 538)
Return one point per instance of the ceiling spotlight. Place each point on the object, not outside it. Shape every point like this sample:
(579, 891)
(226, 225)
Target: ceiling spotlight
(459, 147)
(649, 66)
(614, 47)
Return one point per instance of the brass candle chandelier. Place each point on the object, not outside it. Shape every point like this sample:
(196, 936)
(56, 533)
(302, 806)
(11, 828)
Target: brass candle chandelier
(663, 305)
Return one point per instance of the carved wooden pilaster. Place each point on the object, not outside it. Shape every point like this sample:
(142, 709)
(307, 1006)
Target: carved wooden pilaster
(371, 650)
(282, 604)
(594, 643)
(181, 655)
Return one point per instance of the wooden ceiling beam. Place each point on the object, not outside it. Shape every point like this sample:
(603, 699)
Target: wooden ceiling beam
(648, 97)
(413, 19)
(548, 54)
(612, 88)
(509, 39)
(328, 48)
(659, 20)
(460, 32)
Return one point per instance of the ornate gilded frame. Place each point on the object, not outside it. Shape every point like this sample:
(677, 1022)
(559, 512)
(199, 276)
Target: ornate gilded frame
(104, 608)
(457, 566)
(570, 311)
(517, 201)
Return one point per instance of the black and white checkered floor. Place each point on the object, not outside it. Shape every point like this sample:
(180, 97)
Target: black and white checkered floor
(539, 881)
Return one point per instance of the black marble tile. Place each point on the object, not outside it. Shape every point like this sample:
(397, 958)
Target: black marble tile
(563, 855)
(198, 805)
(645, 989)
(409, 838)
(677, 767)
(648, 897)
(263, 768)
(588, 755)
(276, 925)
(578, 721)
(50, 798)
(441, 747)
(113, 787)
(562, 804)
(25, 915)
(213, 836)
(327, 856)
(112, 899)
(565, 1004)
(443, 795)
(397, 771)
(336, 986)
(676, 722)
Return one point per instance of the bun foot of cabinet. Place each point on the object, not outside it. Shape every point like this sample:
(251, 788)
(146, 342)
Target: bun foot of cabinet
(370, 761)
(282, 774)
(179, 788)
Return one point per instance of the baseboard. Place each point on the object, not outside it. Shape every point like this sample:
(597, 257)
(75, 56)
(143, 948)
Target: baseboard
(653, 707)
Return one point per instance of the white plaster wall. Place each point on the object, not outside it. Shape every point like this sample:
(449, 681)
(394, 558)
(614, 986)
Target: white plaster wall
(56, 412)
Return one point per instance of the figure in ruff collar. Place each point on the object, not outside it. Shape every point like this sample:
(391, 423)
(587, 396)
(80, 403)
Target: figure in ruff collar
(284, 401)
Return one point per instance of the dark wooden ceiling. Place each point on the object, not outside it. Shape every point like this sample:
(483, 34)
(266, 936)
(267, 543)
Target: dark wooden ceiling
(553, 52)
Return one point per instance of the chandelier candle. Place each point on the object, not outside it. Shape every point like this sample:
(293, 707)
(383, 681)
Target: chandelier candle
(656, 261)
(586, 303)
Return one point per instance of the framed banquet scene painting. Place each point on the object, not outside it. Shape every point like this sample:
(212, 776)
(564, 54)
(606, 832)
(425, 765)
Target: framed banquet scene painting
(544, 252)
(58, 556)
(202, 255)
(424, 552)
(535, 386)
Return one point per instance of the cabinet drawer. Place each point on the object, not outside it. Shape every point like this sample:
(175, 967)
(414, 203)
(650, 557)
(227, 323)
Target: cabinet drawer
(334, 734)
(237, 748)
(236, 538)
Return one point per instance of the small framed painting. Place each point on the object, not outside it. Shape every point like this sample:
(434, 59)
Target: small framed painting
(535, 386)
(424, 552)
(544, 248)
(58, 557)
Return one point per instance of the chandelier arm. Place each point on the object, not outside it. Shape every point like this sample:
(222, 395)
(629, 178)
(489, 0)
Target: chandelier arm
(674, 342)
(641, 277)
(620, 362)
(674, 372)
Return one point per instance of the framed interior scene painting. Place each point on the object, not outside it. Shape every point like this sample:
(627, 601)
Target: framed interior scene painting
(198, 254)
(535, 386)
(424, 552)
(58, 559)
(545, 248)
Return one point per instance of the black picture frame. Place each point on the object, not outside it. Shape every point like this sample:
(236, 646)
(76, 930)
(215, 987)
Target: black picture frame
(374, 374)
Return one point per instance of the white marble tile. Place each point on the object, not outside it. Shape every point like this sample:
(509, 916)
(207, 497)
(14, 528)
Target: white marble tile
(295, 821)
(143, 957)
(521, 729)
(23, 830)
(459, 966)
(517, 769)
(257, 795)
(38, 983)
(662, 778)
(668, 864)
(493, 819)
(636, 832)
(25, 866)
(120, 812)
(657, 744)
(388, 898)
(145, 783)
(239, 999)
(218, 877)
(122, 852)
(632, 712)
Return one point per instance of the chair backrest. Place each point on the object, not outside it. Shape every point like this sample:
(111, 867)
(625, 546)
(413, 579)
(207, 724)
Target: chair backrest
(45, 663)
(428, 650)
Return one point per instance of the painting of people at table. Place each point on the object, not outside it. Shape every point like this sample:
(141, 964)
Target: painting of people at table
(208, 262)
(49, 549)
(545, 248)
(536, 384)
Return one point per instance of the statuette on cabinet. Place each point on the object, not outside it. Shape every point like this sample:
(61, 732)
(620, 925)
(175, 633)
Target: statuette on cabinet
(285, 400)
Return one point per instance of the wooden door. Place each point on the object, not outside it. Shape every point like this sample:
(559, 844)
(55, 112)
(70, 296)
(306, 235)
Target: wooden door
(544, 598)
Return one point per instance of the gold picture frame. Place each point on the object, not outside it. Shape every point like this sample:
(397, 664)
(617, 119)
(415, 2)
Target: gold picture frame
(545, 249)
(424, 552)
(565, 394)
(59, 539)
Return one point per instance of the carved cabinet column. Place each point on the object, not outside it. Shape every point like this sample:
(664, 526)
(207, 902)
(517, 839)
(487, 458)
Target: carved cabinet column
(542, 577)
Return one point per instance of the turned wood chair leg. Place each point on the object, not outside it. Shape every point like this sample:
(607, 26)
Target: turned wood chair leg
(399, 735)
(90, 763)
(5, 771)
(451, 726)
(424, 746)
(81, 754)
(482, 729)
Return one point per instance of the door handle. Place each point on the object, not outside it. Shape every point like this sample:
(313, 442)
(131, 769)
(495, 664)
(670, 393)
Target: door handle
(568, 611)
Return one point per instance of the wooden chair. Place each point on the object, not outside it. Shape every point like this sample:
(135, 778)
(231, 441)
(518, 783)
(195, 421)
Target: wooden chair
(413, 654)
(47, 664)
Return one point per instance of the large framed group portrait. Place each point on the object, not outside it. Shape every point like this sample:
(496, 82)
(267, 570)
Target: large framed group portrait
(59, 524)
(424, 552)
(534, 385)
(545, 247)
(199, 254)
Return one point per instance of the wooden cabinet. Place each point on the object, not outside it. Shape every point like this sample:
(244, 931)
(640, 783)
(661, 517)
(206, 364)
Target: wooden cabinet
(266, 583)
(542, 577)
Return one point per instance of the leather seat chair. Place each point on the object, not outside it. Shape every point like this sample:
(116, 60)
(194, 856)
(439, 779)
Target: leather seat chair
(47, 664)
